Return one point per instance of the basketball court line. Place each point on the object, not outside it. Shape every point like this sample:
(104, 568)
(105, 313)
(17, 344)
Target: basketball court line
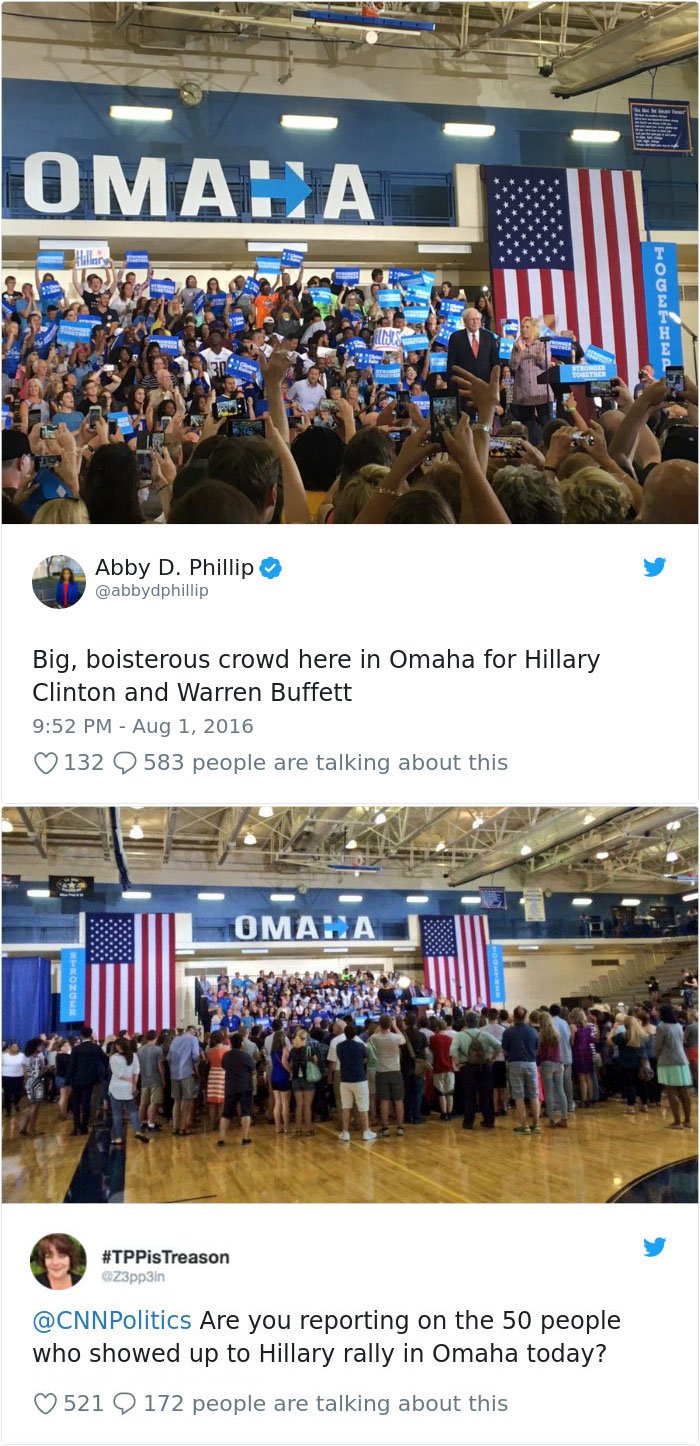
(398, 1165)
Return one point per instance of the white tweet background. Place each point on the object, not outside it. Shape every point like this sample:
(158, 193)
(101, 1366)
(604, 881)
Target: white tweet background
(628, 731)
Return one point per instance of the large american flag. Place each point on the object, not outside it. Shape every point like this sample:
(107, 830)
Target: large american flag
(129, 972)
(566, 244)
(455, 956)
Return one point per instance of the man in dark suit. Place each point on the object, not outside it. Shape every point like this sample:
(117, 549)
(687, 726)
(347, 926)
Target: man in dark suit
(87, 1067)
(473, 349)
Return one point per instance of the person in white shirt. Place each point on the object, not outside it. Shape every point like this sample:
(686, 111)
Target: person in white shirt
(124, 1072)
(13, 1062)
(216, 355)
(309, 393)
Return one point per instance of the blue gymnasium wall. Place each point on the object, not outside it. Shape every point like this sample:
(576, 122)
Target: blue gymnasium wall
(56, 920)
(392, 137)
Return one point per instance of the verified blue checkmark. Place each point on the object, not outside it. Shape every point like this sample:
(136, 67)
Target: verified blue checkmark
(270, 567)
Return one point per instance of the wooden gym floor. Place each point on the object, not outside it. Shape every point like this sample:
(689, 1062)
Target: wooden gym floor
(602, 1151)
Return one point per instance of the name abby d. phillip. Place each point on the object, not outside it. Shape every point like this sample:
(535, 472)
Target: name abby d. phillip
(167, 567)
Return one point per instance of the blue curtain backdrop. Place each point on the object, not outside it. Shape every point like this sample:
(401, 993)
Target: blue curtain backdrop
(26, 998)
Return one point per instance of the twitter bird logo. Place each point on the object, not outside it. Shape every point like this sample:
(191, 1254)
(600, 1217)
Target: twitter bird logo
(654, 1247)
(652, 569)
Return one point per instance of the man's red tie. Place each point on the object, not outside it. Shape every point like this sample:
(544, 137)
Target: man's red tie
(475, 343)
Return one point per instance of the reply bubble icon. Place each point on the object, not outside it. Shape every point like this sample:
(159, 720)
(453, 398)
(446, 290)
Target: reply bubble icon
(125, 761)
(124, 1401)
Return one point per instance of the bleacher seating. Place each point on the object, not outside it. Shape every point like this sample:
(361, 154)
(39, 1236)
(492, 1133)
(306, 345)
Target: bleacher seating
(667, 960)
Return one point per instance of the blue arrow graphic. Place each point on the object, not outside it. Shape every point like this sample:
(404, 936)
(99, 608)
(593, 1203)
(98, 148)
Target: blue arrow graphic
(292, 190)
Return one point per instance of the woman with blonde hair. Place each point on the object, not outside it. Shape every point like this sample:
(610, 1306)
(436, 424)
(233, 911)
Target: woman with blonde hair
(593, 495)
(552, 1070)
(631, 1042)
(63, 510)
(583, 1056)
(531, 398)
(304, 1067)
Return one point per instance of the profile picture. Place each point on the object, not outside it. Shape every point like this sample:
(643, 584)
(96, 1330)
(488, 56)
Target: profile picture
(58, 1262)
(58, 582)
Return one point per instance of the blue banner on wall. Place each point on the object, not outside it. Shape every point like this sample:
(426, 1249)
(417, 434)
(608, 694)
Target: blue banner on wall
(662, 126)
(497, 978)
(72, 985)
(661, 296)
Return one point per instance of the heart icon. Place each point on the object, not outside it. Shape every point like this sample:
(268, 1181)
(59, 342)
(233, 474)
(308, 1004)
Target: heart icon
(45, 1403)
(45, 762)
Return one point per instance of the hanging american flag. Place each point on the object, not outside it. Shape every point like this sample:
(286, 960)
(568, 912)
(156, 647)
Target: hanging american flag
(129, 972)
(455, 956)
(566, 244)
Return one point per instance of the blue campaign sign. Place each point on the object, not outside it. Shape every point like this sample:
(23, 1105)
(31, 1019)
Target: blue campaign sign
(7, 307)
(438, 361)
(217, 303)
(252, 287)
(346, 275)
(442, 336)
(268, 265)
(389, 296)
(583, 372)
(168, 344)
(451, 308)
(369, 359)
(243, 366)
(321, 295)
(387, 374)
(493, 898)
(72, 1003)
(661, 297)
(422, 402)
(510, 326)
(416, 314)
(236, 321)
(165, 287)
(497, 978)
(136, 260)
(11, 360)
(416, 293)
(50, 290)
(560, 346)
(400, 276)
(45, 338)
(6, 419)
(290, 257)
(505, 347)
(428, 277)
(123, 421)
(596, 357)
(51, 260)
(70, 332)
(662, 126)
(197, 301)
(416, 341)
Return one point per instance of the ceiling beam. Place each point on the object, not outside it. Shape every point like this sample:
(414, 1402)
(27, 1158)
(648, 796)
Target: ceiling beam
(231, 826)
(34, 823)
(171, 815)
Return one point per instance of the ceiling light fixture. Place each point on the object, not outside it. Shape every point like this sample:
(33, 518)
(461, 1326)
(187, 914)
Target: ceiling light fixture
(351, 843)
(596, 138)
(38, 893)
(136, 831)
(675, 823)
(671, 856)
(602, 854)
(250, 840)
(581, 903)
(630, 903)
(470, 899)
(140, 113)
(417, 898)
(465, 128)
(282, 898)
(440, 846)
(7, 826)
(211, 898)
(690, 898)
(525, 850)
(265, 811)
(136, 894)
(309, 122)
(380, 818)
(350, 898)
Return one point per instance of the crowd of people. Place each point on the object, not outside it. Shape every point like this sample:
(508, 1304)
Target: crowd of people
(365, 1054)
(309, 400)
